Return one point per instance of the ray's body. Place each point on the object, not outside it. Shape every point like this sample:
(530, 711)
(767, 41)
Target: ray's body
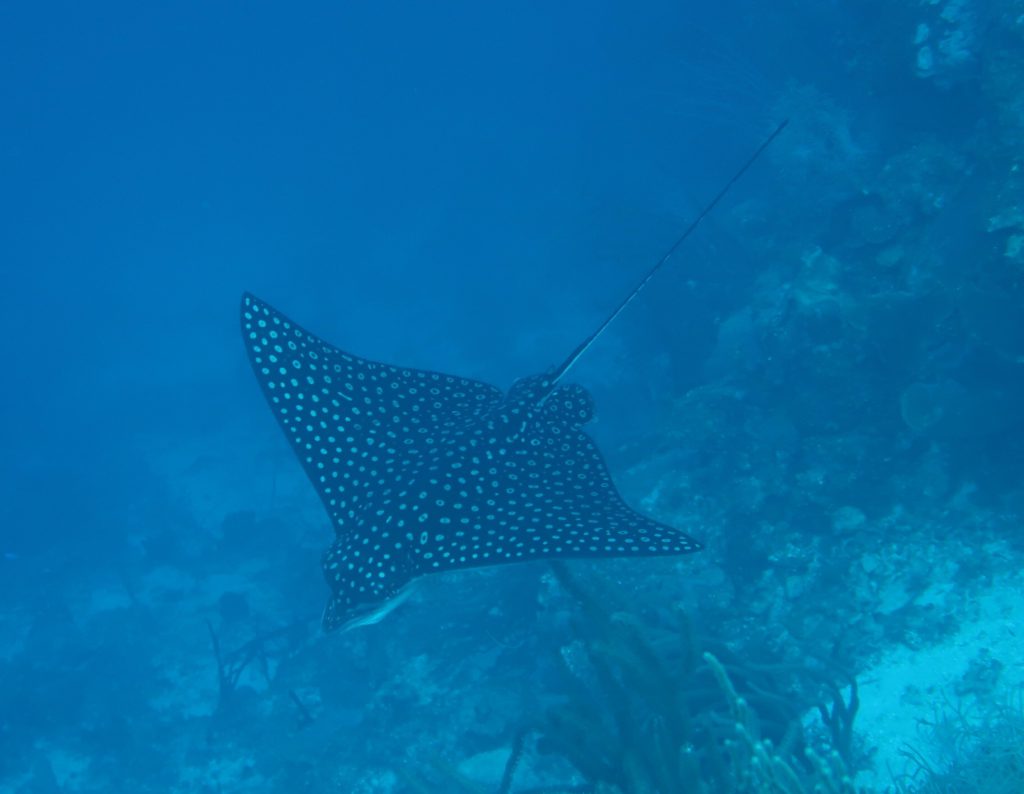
(422, 472)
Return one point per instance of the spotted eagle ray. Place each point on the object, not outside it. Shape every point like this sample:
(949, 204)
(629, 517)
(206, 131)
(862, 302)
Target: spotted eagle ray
(423, 472)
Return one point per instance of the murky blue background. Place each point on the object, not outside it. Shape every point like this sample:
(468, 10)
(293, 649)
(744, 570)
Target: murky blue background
(829, 369)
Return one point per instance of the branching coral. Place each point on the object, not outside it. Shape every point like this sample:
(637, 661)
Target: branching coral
(757, 766)
(231, 666)
(643, 710)
(646, 713)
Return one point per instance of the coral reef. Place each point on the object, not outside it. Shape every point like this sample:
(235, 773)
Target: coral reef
(835, 395)
(646, 711)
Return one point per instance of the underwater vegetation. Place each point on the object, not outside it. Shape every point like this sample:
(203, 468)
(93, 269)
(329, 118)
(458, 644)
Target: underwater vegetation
(644, 707)
(981, 750)
(647, 710)
(231, 666)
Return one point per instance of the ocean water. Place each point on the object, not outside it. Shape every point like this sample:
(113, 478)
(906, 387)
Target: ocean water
(823, 386)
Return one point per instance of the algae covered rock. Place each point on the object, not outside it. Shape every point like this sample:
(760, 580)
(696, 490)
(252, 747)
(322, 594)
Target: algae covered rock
(948, 410)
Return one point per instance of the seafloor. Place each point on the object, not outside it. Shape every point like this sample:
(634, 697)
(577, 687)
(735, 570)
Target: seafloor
(852, 456)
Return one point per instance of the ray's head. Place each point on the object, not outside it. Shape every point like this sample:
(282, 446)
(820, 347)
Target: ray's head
(569, 404)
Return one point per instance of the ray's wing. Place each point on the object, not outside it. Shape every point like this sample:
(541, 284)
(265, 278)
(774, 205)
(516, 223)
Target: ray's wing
(573, 509)
(547, 494)
(353, 423)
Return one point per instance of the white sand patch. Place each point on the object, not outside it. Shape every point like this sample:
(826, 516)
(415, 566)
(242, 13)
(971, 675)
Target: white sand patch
(236, 774)
(905, 687)
(376, 781)
(189, 689)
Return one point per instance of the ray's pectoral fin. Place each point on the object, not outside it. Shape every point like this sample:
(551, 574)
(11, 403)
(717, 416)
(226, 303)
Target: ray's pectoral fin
(364, 588)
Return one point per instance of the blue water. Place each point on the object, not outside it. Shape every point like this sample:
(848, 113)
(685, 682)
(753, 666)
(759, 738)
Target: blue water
(824, 385)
